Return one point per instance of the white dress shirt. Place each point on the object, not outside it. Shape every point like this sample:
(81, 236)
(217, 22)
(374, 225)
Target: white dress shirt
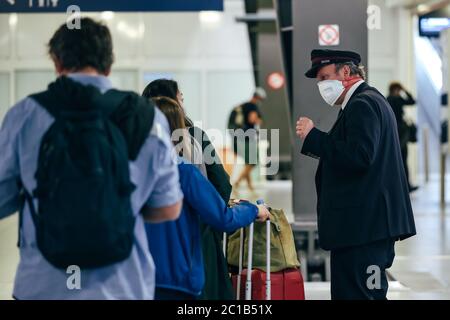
(350, 93)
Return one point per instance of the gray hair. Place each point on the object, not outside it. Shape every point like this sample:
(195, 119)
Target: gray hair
(355, 70)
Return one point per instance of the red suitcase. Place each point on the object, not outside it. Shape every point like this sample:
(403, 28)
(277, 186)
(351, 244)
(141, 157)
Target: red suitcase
(284, 285)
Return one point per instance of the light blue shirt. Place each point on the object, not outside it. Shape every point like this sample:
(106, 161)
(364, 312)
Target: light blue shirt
(154, 173)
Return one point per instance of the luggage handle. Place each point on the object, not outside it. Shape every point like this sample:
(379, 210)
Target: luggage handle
(224, 244)
(248, 284)
(241, 248)
(241, 254)
(268, 281)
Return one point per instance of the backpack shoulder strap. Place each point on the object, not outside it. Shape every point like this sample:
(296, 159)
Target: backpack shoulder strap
(109, 101)
(25, 199)
(133, 115)
(45, 100)
(112, 99)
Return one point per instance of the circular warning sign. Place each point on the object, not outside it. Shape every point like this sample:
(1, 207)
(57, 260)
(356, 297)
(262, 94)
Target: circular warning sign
(276, 80)
(329, 35)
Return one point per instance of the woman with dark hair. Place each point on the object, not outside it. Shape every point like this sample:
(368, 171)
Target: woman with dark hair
(185, 145)
(215, 170)
(166, 88)
(176, 246)
(218, 284)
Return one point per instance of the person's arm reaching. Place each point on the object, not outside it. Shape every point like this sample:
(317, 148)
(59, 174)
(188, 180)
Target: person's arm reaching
(200, 194)
(358, 150)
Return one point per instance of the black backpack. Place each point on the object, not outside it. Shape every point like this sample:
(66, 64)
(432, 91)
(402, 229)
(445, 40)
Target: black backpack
(236, 119)
(83, 188)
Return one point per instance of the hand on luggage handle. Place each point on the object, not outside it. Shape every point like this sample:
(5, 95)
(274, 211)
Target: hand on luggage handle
(263, 213)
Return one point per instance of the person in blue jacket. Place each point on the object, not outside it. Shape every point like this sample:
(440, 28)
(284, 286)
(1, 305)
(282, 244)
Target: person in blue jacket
(176, 246)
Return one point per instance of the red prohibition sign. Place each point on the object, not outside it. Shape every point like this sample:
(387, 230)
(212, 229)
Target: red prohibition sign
(333, 32)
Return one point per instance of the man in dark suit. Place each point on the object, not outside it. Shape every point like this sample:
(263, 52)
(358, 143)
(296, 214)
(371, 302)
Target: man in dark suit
(363, 200)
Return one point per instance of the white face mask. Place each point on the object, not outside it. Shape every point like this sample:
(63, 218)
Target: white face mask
(331, 90)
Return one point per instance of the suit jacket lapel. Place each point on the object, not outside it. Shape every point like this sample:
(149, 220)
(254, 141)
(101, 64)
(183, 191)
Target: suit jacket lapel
(337, 120)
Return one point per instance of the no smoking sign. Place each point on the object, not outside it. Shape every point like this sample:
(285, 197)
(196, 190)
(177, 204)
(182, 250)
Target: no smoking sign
(329, 35)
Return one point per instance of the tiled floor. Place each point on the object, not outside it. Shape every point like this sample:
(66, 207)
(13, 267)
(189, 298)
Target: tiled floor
(9, 255)
(422, 263)
(421, 268)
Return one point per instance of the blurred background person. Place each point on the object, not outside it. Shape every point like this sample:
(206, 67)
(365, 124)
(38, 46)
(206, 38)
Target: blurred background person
(398, 98)
(245, 121)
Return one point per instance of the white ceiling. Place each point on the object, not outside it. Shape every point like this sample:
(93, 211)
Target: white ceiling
(411, 3)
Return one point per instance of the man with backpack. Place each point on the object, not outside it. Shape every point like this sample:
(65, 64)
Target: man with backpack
(85, 165)
(243, 125)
